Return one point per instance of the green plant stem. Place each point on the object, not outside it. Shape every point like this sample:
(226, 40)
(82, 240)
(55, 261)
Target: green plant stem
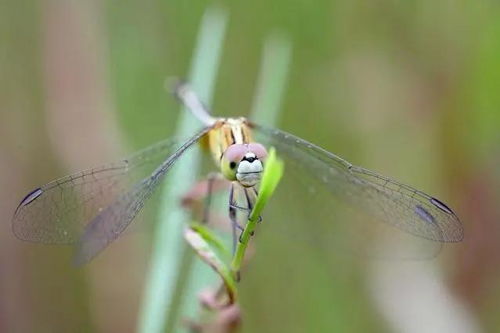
(242, 247)
(272, 79)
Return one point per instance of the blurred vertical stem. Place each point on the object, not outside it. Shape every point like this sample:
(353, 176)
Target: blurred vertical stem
(273, 75)
(168, 243)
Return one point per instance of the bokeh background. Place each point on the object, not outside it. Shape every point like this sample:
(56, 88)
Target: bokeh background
(407, 88)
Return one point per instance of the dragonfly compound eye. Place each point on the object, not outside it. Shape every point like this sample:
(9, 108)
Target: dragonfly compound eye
(231, 159)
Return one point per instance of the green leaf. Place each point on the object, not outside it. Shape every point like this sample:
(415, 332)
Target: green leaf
(211, 238)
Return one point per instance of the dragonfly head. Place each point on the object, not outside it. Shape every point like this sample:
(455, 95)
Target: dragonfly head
(244, 163)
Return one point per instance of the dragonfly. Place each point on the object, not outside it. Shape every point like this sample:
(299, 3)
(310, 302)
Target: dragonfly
(90, 209)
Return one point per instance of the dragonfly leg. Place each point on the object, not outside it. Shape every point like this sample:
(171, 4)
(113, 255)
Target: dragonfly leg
(251, 198)
(199, 198)
(256, 195)
(247, 210)
(250, 202)
(235, 206)
(232, 216)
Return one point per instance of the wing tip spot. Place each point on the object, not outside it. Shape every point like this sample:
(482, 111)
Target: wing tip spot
(30, 197)
(441, 205)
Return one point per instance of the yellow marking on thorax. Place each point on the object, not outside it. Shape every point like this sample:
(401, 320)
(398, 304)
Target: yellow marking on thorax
(226, 132)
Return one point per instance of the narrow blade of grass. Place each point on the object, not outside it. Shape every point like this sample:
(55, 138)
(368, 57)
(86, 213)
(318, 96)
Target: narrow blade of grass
(273, 75)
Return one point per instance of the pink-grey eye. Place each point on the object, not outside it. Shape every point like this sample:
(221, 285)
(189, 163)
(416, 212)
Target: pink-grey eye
(231, 159)
(235, 153)
(258, 149)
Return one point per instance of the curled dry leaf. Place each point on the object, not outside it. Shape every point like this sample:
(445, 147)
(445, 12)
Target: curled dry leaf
(205, 252)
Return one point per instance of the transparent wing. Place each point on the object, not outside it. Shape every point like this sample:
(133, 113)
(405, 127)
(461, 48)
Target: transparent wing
(345, 203)
(94, 206)
(57, 212)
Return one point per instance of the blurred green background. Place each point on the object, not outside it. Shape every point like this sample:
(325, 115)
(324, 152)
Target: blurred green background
(406, 88)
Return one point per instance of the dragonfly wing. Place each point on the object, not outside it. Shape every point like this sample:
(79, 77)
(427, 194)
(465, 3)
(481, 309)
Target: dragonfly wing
(96, 204)
(355, 199)
(111, 222)
(57, 212)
